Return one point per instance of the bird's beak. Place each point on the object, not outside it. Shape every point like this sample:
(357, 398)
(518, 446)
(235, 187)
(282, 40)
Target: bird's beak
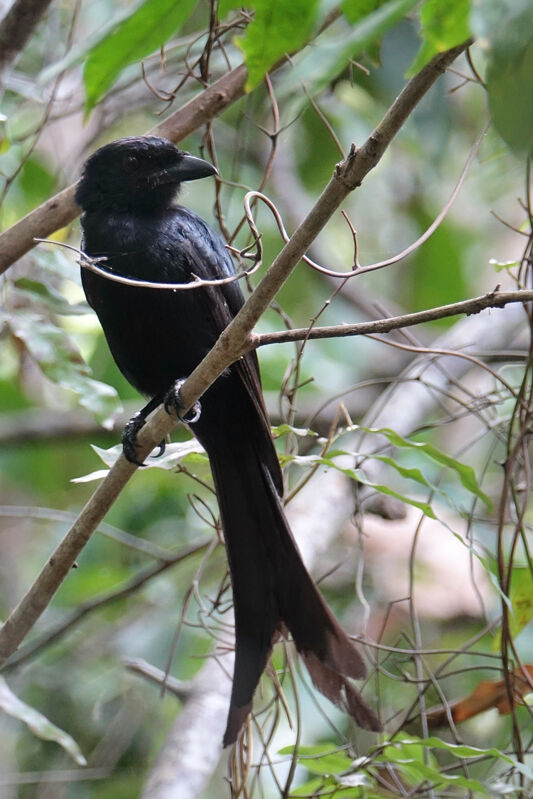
(192, 168)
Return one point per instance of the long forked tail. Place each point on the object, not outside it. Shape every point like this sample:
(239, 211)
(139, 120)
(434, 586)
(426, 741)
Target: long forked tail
(273, 591)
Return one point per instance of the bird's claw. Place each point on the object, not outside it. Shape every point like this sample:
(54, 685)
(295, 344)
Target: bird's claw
(129, 440)
(173, 401)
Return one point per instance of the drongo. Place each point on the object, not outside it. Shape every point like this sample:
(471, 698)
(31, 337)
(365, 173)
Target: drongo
(132, 221)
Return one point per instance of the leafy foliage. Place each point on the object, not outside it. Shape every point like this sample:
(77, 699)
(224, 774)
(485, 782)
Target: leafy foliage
(506, 29)
(443, 25)
(278, 29)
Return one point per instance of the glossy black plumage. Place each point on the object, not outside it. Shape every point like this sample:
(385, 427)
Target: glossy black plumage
(127, 192)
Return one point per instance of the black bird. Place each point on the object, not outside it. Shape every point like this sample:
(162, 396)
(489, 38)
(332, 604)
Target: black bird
(127, 192)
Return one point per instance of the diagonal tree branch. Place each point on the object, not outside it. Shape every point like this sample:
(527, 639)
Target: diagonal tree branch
(236, 339)
(16, 28)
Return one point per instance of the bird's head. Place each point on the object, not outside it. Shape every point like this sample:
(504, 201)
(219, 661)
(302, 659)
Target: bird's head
(142, 172)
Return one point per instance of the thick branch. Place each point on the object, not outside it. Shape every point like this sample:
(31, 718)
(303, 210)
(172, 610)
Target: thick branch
(17, 26)
(235, 340)
(61, 209)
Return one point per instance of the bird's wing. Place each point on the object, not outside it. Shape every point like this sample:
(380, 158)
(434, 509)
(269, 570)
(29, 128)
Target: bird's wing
(208, 259)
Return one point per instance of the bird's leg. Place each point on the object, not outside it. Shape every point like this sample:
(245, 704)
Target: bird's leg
(131, 430)
(173, 400)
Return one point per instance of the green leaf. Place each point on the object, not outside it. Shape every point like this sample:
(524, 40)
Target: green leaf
(425, 507)
(327, 748)
(501, 265)
(225, 6)
(359, 476)
(328, 57)
(323, 759)
(407, 472)
(408, 756)
(60, 360)
(463, 751)
(144, 31)
(310, 788)
(505, 29)
(278, 28)
(45, 293)
(521, 596)
(444, 24)
(464, 472)
(510, 87)
(354, 10)
(37, 723)
(334, 763)
(287, 429)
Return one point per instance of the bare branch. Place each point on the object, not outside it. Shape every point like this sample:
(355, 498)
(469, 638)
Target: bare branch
(493, 299)
(174, 686)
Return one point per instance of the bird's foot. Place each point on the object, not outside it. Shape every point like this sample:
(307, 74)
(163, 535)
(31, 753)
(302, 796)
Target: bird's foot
(131, 430)
(129, 438)
(173, 401)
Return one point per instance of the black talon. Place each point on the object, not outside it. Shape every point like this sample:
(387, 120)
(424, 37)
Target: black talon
(129, 438)
(174, 401)
(131, 431)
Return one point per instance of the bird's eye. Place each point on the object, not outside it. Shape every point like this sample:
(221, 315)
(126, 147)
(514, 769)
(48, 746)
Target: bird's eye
(131, 162)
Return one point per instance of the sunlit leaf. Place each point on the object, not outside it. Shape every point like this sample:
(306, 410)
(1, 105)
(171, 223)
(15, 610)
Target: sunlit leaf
(37, 723)
(181, 452)
(143, 32)
(285, 429)
(310, 788)
(500, 265)
(278, 28)
(443, 25)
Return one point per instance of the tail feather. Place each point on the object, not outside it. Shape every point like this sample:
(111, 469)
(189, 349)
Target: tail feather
(272, 591)
(339, 691)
